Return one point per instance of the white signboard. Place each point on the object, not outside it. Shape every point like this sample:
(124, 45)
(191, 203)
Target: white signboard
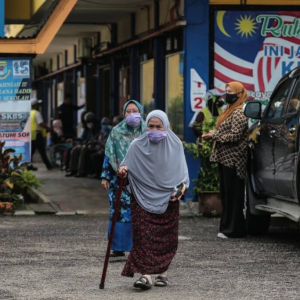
(198, 92)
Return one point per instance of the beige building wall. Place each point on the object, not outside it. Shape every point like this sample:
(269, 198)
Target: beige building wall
(181, 8)
(147, 76)
(48, 64)
(175, 80)
(164, 14)
(21, 9)
(105, 34)
(13, 30)
(54, 64)
(61, 60)
(144, 19)
(174, 94)
(16, 9)
(36, 4)
(124, 29)
(144, 24)
(70, 55)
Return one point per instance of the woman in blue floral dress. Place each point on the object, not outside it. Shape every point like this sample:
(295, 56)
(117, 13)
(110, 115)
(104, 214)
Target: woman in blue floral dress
(116, 148)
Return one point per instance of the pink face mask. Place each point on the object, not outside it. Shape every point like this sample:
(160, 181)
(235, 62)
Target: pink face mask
(133, 119)
(156, 136)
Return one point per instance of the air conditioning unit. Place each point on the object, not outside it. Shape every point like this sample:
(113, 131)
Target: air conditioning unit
(85, 46)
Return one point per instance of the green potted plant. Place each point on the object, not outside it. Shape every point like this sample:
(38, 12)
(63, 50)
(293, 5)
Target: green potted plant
(207, 185)
(15, 180)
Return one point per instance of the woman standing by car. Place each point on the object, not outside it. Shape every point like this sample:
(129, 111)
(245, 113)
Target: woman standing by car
(230, 151)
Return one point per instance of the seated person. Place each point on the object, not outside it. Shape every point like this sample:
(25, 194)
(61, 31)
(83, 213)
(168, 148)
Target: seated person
(58, 142)
(81, 153)
(75, 141)
(98, 157)
(116, 120)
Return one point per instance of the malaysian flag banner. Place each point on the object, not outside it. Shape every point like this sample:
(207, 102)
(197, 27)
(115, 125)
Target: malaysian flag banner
(255, 48)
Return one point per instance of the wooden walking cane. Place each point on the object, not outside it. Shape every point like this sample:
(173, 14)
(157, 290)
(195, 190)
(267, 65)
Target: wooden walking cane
(115, 216)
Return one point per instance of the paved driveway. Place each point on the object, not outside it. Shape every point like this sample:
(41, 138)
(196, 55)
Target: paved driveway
(61, 258)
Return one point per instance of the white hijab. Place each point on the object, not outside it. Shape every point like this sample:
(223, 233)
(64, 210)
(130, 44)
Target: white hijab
(156, 168)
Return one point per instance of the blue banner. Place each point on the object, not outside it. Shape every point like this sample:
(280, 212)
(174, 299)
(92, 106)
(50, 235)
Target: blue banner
(15, 127)
(15, 93)
(15, 79)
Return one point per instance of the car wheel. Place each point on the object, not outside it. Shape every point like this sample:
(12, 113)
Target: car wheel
(256, 224)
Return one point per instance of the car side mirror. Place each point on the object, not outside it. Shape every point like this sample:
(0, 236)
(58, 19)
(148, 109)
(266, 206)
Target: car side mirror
(253, 110)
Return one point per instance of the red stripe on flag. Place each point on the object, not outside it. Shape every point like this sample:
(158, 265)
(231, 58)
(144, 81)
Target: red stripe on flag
(259, 75)
(220, 90)
(277, 60)
(269, 66)
(224, 78)
(231, 66)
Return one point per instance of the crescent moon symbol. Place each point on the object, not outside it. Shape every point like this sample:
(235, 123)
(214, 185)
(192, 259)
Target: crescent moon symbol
(220, 16)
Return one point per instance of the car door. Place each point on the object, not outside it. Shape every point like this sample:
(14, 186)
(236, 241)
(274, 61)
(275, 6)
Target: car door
(262, 162)
(285, 154)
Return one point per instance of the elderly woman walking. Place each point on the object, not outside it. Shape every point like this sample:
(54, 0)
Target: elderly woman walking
(230, 152)
(157, 173)
(115, 150)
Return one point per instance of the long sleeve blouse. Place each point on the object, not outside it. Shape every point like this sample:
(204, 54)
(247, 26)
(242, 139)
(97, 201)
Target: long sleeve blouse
(231, 140)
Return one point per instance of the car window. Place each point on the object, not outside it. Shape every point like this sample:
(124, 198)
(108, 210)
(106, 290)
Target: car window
(294, 103)
(278, 100)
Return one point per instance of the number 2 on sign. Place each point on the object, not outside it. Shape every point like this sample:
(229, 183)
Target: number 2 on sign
(198, 104)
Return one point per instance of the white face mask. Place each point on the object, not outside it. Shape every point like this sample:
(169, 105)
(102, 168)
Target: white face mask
(90, 125)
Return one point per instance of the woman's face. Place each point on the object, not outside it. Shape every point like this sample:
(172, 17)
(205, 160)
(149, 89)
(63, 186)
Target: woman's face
(229, 90)
(131, 108)
(155, 124)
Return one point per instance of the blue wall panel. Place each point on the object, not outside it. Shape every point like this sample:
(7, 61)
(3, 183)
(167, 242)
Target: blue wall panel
(196, 56)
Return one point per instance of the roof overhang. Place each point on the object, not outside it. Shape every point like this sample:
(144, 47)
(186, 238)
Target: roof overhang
(38, 45)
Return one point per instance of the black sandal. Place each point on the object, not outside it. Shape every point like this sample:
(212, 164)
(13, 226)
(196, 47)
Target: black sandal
(143, 283)
(116, 254)
(161, 281)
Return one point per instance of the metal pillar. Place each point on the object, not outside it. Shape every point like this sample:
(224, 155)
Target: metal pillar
(196, 56)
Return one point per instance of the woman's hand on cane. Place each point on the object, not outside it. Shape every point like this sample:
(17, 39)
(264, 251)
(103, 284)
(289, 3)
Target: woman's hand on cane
(174, 198)
(122, 172)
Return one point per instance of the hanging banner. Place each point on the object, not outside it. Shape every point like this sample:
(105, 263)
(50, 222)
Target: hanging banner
(255, 48)
(198, 92)
(15, 79)
(15, 127)
(15, 93)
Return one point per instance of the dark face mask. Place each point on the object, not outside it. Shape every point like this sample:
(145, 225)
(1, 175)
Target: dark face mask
(230, 98)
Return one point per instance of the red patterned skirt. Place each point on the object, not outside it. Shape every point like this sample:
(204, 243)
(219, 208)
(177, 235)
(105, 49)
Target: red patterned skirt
(155, 240)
